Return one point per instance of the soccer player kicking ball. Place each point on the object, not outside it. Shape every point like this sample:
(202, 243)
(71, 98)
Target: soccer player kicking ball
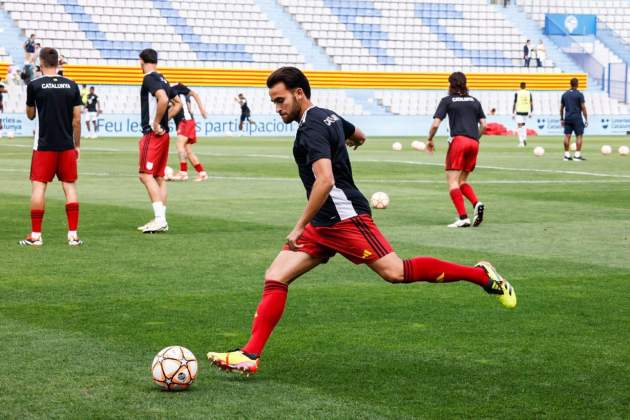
(186, 133)
(336, 219)
(467, 121)
(155, 95)
(57, 103)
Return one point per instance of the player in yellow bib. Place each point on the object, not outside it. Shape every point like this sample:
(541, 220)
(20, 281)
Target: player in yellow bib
(522, 109)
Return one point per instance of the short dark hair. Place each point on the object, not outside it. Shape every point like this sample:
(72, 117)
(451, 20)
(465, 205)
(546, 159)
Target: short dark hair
(292, 77)
(91, 87)
(527, 41)
(523, 85)
(49, 57)
(149, 55)
(575, 82)
(457, 84)
(32, 35)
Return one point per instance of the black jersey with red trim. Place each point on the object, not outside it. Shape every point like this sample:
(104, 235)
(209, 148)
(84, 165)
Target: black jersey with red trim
(183, 92)
(152, 83)
(322, 134)
(55, 98)
(464, 113)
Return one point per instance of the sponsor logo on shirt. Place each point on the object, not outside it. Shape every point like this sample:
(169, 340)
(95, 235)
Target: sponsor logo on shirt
(331, 119)
(55, 85)
(464, 99)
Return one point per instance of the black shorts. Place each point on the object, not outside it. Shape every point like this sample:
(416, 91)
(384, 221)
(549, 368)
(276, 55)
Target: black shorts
(574, 126)
(245, 116)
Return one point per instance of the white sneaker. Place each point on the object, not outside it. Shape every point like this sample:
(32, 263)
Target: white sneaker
(521, 144)
(180, 176)
(74, 241)
(460, 223)
(202, 176)
(478, 216)
(155, 226)
(143, 227)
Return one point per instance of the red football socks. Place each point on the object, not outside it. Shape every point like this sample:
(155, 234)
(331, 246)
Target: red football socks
(199, 167)
(433, 270)
(469, 193)
(183, 167)
(72, 212)
(458, 201)
(267, 315)
(37, 218)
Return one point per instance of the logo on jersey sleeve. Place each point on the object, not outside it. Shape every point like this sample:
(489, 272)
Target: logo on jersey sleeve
(331, 119)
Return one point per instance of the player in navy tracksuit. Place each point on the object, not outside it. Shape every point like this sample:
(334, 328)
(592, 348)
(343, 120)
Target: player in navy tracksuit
(571, 110)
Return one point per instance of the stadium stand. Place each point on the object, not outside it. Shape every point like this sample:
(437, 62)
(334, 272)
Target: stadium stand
(406, 35)
(4, 56)
(86, 31)
(615, 13)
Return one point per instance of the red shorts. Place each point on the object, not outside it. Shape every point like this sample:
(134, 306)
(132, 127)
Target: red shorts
(188, 129)
(358, 239)
(45, 164)
(153, 154)
(462, 154)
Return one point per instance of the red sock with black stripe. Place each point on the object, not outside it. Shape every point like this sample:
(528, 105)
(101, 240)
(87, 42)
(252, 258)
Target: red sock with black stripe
(267, 315)
(72, 213)
(469, 193)
(37, 218)
(458, 201)
(432, 270)
(199, 167)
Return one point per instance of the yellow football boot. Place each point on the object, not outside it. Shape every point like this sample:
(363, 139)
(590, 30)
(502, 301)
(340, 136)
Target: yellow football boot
(235, 361)
(498, 285)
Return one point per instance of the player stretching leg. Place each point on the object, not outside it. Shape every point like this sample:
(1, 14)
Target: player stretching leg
(571, 110)
(186, 133)
(154, 99)
(336, 219)
(467, 121)
(522, 109)
(246, 113)
(57, 103)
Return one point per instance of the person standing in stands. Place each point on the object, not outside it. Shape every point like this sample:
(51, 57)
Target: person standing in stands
(541, 54)
(572, 108)
(29, 50)
(526, 52)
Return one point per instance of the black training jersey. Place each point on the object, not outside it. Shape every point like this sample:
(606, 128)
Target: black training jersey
(182, 91)
(322, 134)
(464, 113)
(151, 83)
(92, 100)
(572, 100)
(55, 98)
(244, 107)
(1, 87)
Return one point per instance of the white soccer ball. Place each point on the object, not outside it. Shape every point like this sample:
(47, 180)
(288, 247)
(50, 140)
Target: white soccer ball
(539, 151)
(606, 149)
(174, 368)
(396, 146)
(380, 200)
(573, 147)
(10, 134)
(624, 150)
(168, 173)
(418, 145)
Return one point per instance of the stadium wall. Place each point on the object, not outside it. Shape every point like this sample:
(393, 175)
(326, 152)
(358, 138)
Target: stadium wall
(118, 125)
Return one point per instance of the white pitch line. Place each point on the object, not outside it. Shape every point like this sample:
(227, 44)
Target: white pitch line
(355, 159)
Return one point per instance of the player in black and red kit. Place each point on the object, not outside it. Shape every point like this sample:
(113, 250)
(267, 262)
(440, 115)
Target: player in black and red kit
(467, 122)
(187, 134)
(336, 220)
(155, 95)
(57, 102)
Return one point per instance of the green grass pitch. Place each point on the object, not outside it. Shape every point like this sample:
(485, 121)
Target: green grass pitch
(79, 327)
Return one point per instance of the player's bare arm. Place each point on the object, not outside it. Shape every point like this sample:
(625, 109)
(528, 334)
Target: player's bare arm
(162, 104)
(432, 131)
(76, 128)
(200, 105)
(585, 113)
(175, 107)
(356, 139)
(324, 183)
(30, 112)
(482, 126)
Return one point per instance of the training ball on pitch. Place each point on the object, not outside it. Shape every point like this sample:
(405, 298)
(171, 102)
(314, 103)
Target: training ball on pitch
(418, 145)
(10, 134)
(539, 151)
(168, 173)
(380, 200)
(624, 150)
(573, 147)
(174, 368)
(606, 149)
(396, 146)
